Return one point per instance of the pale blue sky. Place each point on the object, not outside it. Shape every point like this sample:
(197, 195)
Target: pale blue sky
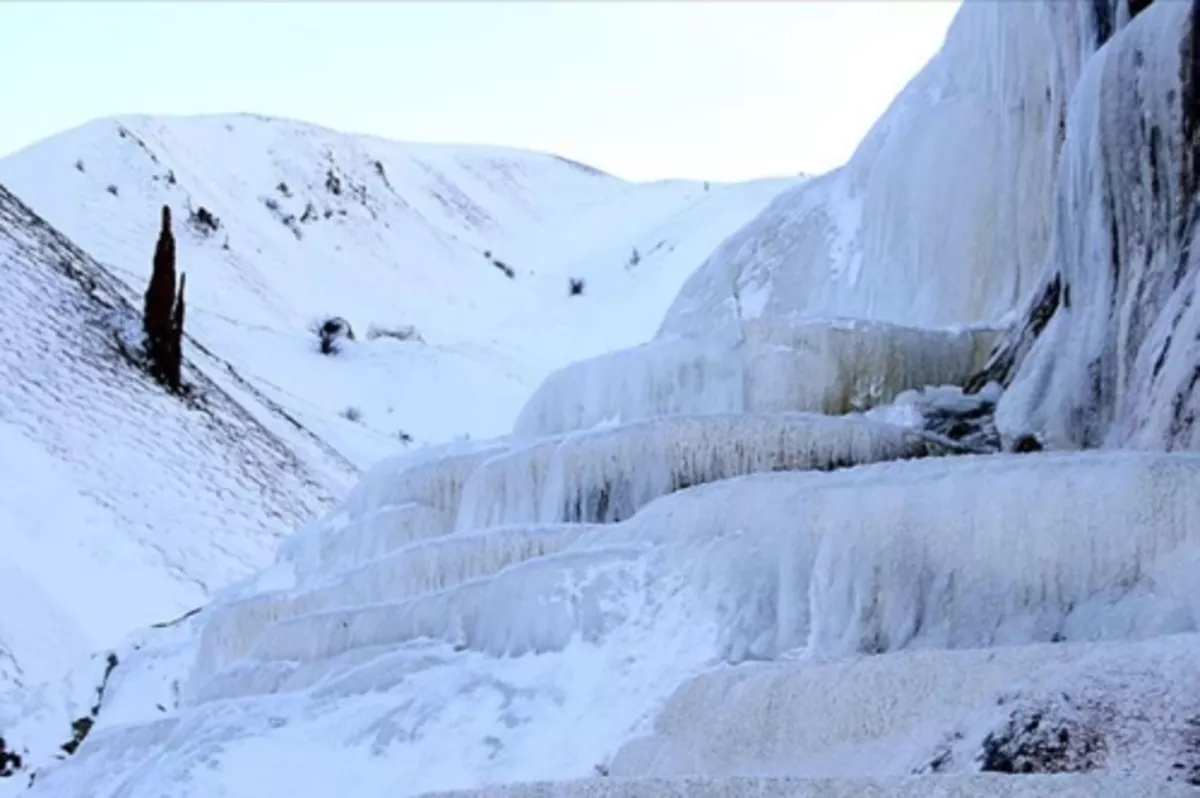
(645, 90)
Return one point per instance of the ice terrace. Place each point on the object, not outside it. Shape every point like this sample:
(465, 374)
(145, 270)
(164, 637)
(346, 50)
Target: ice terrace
(731, 563)
(756, 366)
(786, 561)
(950, 589)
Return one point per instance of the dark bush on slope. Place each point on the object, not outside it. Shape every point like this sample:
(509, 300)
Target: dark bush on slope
(330, 333)
(163, 313)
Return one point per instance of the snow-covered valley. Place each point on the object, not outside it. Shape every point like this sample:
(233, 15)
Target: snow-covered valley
(881, 483)
(472, 249)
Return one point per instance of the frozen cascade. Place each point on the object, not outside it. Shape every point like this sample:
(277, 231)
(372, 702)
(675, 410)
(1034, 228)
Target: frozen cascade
(927, 711)
(719, 572)
(1135, 710)
(1115, 362)
(464, 577)
(435, 565)
(433, 477)
(378, 534)
(734, 720)
(403, 498)
(605, 475)
(495, 640)
(755, 367)
(507, 488)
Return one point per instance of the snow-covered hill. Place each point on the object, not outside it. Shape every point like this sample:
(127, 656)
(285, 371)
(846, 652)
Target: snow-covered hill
(121, 506)
(746, 556)
(471, 247)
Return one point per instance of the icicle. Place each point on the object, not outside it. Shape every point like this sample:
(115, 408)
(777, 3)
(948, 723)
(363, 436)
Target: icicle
(672, 377)
(442, 563)
(433, 477)
(824, 367)
(507, 488)
(607, 475)
(1116, 365)
(379, 533)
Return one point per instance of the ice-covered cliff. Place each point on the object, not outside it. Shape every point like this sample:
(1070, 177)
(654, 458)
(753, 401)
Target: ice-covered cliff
(1115, 359)
(735, 560)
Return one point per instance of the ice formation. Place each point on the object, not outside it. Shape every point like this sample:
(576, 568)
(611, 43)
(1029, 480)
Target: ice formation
(974, 136)
(1116, 361)
(735, 720)
(721, 572)
(607, 474)
(808, 599)
(1054, 559)
(755, 367)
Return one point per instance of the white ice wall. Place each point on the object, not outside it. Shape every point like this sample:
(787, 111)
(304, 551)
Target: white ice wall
(1026, 548)
(942, 215)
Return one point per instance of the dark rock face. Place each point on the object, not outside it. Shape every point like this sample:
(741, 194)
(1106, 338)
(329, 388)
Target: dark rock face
(1029, 742)
(1026, 444)
(331, 332)
(1012, 348)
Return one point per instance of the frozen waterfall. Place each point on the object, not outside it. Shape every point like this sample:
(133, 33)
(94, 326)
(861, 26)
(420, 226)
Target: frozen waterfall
(708, 566)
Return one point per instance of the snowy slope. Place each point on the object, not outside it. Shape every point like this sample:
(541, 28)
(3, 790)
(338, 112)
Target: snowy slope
(316, 223)
(709, 565)
(120, 506)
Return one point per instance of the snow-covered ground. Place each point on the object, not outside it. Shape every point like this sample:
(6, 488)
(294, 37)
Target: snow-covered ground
(760, 553)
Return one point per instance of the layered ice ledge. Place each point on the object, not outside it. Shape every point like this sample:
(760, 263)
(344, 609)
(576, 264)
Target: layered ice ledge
(830, 367)
(608, 474)
(877, 558)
